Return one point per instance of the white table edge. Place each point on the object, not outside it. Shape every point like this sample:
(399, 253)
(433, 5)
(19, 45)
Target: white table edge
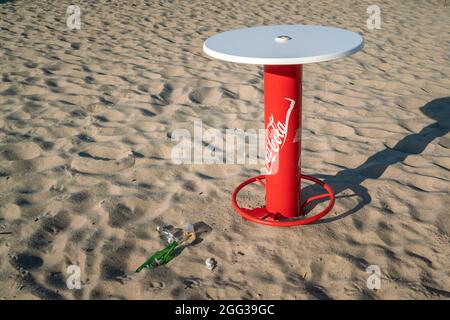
(280, 61)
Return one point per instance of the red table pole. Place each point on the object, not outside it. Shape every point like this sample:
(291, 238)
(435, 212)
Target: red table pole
(282, 116)
(283, 119)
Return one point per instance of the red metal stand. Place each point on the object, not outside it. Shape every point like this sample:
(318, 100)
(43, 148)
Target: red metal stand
(282, 116)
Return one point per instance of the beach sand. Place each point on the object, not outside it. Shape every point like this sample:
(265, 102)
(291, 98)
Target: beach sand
(86, 172)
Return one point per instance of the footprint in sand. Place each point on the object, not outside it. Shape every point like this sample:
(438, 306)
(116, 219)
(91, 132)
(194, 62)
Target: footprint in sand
(120, 214)
(207, 96)
(10, 212)
(156, 286)
(20, 151)
(27, 261)
(98, 159)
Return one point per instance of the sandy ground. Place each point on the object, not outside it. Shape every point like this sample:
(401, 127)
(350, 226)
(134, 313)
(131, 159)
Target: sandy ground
(85, 153)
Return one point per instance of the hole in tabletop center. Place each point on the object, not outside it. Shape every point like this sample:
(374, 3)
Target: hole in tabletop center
(282, 39)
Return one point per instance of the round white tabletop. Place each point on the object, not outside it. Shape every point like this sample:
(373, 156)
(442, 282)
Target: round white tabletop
(282, 45)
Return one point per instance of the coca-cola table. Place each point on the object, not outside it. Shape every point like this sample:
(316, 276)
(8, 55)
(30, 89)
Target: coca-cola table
(283, 50)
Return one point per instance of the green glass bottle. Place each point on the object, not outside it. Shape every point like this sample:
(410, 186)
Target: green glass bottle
(159, 258)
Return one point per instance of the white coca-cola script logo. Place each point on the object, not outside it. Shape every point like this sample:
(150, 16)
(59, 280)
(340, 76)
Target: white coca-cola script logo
(276, 133)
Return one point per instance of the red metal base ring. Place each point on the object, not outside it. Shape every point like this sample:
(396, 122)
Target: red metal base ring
(261, 216)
